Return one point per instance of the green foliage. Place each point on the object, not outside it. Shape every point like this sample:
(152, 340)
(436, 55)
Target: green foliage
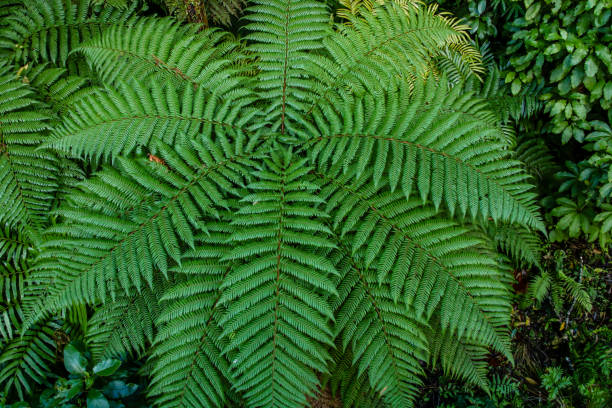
(217, 12)
(561, 288)
(42, 30)
(100, 385)
(561, 349)
(563, 46)
(254, 217)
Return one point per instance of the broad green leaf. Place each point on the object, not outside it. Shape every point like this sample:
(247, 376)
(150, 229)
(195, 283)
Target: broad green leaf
(74, 361)
(95, 399)
(106, 367)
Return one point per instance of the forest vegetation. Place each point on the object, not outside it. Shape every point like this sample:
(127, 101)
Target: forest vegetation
(305, 203)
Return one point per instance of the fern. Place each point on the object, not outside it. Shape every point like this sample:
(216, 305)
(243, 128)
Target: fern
(47, 30)
(219, 12)
(125, 324)
(459, 59)
(254, 218)
(14, 246)
(560, 287)
(28, 176)
(162, 50)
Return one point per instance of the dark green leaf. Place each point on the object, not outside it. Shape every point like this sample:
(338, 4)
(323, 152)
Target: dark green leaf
(95, 399)
(74, 361)
(107, 367)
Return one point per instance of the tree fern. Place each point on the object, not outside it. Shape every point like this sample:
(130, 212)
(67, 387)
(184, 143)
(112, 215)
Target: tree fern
(254, 217)
(14, 245)
(47, 30)
(28, 176)
(162, 50)
(218, 12)
(458, 58)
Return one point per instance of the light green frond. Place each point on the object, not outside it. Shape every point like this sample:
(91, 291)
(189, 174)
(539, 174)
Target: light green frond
(281, 34)
(28, 175)
(193, 372)
(122, 227)
(47, 30)
(162, 50)
(117, 121)
(277, 318)
(423, 141)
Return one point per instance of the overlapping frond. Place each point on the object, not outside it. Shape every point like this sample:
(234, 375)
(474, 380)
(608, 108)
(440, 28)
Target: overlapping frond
(48, 30)
(519, 243)
(117, 121)
(163, 50)
(429, 262)
(278, 312)
(348, 384)
(25, 358)
(125, 325)
(28, 175)
(14, 245)
(386, 342)
(55, 86)
(193, 372)
(427, 141)
(282, 32)
(371, 53)
(124, 224)
(459, 357)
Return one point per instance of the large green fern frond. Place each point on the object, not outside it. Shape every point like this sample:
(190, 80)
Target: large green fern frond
(387, 343)
(117, 121)
(426, 140)
(125, 325)
(25, 358)
(28, 175)
(48, 30)
(374, 50)
(122, 227)
(282, 32)
(194, 372)
(277, 318)
(163, 50)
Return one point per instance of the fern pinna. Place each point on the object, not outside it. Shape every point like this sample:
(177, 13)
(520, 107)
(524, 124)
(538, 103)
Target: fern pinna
(255, 218)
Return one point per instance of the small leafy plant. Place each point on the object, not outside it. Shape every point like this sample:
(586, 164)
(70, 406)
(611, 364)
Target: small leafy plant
(98, 385)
